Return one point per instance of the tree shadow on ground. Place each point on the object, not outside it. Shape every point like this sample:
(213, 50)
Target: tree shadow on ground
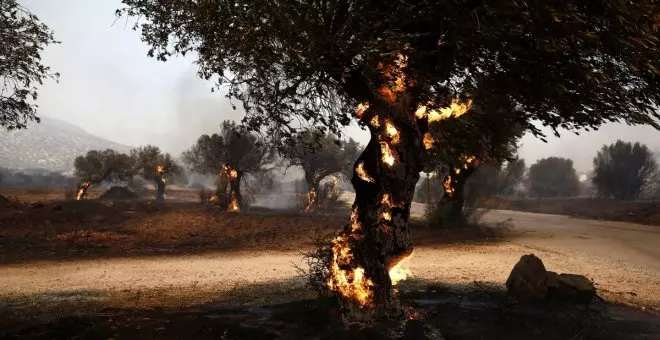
(481, 311)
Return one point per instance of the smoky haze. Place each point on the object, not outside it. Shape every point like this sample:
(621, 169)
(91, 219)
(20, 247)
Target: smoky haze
(110, 88)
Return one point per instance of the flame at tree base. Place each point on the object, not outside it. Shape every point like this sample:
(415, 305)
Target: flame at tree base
(233, 205)
(82, 190)
(311, 199)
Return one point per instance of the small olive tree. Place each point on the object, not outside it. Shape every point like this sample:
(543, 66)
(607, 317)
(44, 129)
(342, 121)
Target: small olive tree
(154, 165)
(230, 154)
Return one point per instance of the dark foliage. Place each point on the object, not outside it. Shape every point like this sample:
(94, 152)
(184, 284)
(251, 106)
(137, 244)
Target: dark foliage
(568, 64)
(553, 177)
(23, 39)
(106, 165)
(623, 170)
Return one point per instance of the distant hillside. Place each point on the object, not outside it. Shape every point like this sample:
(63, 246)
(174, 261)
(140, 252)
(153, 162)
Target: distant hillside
(53, 144)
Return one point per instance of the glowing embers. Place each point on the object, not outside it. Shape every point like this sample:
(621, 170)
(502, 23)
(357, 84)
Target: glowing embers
(82, 190)
(455, 109)
(362, 173)
(347, 278)
(311, 198)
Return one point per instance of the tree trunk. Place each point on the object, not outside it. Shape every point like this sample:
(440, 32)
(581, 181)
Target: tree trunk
(235, 189)
(221, 191)
(379, 234)
(453, 198)
(312, 198)
(160, 189)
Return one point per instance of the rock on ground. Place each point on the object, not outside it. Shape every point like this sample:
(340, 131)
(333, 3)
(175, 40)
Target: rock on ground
(530, 281)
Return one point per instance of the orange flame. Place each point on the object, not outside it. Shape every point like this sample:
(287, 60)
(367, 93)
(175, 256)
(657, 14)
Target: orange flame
(160, 170)
(350, 282)
(233, 205)
(82, 189)
(311, 198)
(232, 174)
(455, 109)
(362, 107)
(400, 271)
(386, 206)
(386, 154)
(374, 122)
(428, 141)
(392, 131)
(355, 224)
(362, 173)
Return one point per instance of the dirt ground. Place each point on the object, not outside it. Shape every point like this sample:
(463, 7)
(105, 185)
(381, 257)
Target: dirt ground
(144, 270)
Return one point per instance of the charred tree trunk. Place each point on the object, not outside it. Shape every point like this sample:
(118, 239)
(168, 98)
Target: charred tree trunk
(453, 197)
(160, 189)
(235, 189)
(312, 193)
(379, 233)
(221, 191)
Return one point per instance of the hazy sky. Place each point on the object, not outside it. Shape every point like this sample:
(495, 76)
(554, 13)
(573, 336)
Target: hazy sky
(110, 88)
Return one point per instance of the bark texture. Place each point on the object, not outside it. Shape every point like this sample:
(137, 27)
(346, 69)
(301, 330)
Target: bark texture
(386, 240)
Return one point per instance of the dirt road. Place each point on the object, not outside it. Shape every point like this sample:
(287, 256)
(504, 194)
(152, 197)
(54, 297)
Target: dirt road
(623, 259)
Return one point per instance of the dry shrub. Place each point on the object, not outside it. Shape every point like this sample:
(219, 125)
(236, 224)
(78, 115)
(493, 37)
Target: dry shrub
(317, 261)
(69, 194)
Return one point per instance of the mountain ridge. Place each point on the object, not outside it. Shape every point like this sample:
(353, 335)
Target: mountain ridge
(52, 144)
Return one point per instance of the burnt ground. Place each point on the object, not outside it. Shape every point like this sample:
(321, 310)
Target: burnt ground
(66, 232)
(476, 314)
(71, 230)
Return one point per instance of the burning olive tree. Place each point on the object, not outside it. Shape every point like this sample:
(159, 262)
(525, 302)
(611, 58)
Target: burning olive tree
(98, 166)
(398, 67)
(155, 166)
(487, 135)
(23, 39)
(231, 155)
(319, 155)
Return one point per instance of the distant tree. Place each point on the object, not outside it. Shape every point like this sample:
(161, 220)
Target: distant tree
(155, 166)
(553, 177)
(488, 135)
(230, 154)
(511, 176)
(320, 155)
(98, 166)
(23, 39)
(563, 64)
(623, 170)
